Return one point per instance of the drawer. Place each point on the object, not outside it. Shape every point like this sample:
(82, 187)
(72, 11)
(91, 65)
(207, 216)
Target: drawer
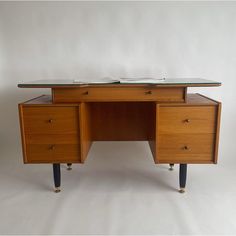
(52, 153)
(50, 120)
(147, 93)
(186, 148)
(186, 119)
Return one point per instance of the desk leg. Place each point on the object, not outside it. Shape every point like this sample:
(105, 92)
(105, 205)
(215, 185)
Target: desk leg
(57, 177)
(69, 166)
(182, 177)
(171, 167)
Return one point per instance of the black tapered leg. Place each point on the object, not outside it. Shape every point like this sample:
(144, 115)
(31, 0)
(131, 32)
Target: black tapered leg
(171, 167)
(57, 177)
(182, 177)
(69, 166)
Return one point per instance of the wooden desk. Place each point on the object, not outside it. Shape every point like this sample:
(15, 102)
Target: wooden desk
(181, 128)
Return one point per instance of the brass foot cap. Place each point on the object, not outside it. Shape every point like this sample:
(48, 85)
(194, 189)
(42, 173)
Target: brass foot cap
(57, 190)
(182, 190)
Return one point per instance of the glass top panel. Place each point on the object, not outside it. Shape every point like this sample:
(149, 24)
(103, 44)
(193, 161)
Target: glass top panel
(189, 82)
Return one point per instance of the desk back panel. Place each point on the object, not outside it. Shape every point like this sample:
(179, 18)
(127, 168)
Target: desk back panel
(123, 121)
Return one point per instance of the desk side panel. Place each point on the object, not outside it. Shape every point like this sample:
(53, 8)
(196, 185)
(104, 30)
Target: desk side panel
(152, 130)
(22, 131)
(85, 130)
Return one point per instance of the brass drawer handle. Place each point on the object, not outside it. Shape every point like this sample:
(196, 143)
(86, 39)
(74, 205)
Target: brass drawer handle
(52, 147)
(50, 120)
(148, 92)
(86, 93)
(187, 120)
(186, 148)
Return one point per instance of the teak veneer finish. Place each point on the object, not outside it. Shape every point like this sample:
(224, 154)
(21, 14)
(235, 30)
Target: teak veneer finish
(94, 94)
(51, 120)
(180, 128)
(49, 133)
(179, 132)
(123, 121)
(85, 130)
(184, 119)
(189, 132)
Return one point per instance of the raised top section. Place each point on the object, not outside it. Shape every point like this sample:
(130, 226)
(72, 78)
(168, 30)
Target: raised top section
(183, 82)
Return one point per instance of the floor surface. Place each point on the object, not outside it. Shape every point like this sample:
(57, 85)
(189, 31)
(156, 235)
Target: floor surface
(119, 190)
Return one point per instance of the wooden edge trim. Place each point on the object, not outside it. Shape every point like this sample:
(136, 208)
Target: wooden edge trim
(22, 128)
(184, 162)
(80, 112)
(52, 105)
(217, 133)
(53, 95)
(185, 94)
(23, 103)
(176, 104)
(185, 105)
(208, 98)
(52, 162)
(85, 141)
(121, 85)
(47, 104)
(157, 133)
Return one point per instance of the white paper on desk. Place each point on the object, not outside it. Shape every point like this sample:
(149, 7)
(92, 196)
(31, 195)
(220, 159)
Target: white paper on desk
(108, 80)
(141, 80)
(104, 80)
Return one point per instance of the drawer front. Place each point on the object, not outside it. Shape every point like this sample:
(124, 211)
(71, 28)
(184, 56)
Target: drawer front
(118, 94)
(52, 153)
(194, 119)
(186, 148)
(50, 120)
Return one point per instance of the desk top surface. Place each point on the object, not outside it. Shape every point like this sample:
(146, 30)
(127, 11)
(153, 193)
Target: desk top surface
(183, 82)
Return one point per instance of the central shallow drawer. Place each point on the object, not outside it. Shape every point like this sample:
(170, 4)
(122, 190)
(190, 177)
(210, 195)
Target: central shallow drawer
(145, 93)
(50, 120)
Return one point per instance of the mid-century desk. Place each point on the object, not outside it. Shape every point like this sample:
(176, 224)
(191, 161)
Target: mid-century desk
(180, 127)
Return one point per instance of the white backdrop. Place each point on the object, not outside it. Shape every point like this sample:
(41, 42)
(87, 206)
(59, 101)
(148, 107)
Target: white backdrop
(48, 40)
(67, 40)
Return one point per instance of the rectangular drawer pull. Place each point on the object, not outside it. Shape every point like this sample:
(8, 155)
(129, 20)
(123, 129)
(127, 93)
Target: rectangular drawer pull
(187, 121)
(186, 148)
(148, 92)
